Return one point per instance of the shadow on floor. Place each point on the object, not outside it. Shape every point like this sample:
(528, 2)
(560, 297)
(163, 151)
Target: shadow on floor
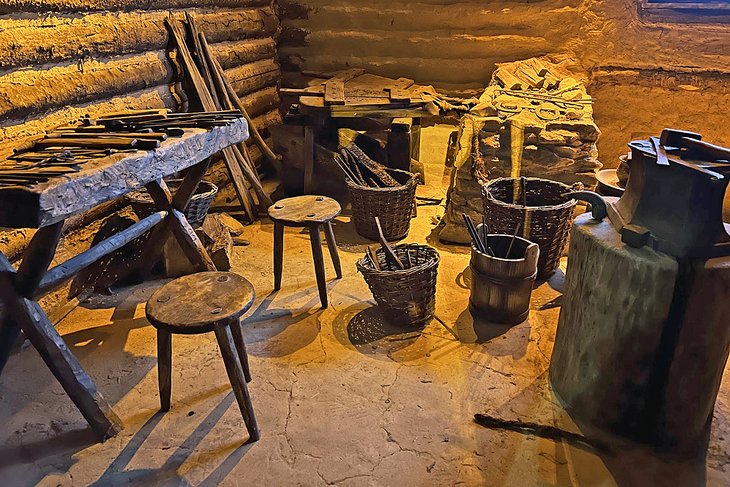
(366, 330)
(277, 331)
(168, 474)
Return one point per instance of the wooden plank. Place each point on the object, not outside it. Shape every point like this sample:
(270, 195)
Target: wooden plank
(334, 88)
(209, 104)
(233, 96)
(399, 90)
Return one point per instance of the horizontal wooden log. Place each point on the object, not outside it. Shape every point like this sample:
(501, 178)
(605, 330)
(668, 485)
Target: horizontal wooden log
(426, 46)
(262, 101)
(475, 18)
(474, 74)
(231, 54)
(63, 272)
(58, 38)
(17, 131)
(251, 77)
(262, 122)
(15, 6)
(25, 92)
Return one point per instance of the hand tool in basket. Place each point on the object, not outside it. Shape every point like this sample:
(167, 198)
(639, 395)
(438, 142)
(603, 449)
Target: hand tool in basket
(387, 249)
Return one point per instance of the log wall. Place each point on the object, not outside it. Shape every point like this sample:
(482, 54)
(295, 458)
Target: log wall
(646, 71)
(61, 59)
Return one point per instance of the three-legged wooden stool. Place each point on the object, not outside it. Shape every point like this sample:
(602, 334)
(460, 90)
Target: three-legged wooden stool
(201, 303)
(312, 212)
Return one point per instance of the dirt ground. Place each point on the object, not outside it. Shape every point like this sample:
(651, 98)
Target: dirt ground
(341, 397)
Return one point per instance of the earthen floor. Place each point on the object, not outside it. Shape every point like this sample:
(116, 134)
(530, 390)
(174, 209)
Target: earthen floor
(341, 397)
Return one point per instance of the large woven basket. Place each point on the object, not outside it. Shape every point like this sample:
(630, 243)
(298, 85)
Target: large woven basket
(393, 206)
(406, 297)
(548, 216)
(195, 211)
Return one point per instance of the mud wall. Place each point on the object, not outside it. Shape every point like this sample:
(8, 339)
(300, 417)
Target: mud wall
(645, 70)
(60, 59)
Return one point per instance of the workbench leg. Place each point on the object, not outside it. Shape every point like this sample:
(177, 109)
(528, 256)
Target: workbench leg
(176, 222)
(308, 158)
(9, 332)
(30, 317)
(64, 365)
(416, 139)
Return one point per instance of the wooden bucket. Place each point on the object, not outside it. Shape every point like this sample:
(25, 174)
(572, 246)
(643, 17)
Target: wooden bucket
(501, 287)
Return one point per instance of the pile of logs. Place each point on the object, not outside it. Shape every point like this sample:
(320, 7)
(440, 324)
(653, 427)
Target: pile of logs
(201, 68)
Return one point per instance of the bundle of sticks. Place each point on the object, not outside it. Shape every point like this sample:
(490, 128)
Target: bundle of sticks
(197, 63)
(362, 170)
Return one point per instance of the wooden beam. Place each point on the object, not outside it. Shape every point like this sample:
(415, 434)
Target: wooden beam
(62, 272)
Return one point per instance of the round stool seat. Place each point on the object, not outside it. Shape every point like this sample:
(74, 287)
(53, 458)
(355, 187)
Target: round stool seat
(198, 303)
(304, 210)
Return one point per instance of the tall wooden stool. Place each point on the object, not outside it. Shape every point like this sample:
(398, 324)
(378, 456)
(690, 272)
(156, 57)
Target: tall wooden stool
(312, 212)
(201, 303)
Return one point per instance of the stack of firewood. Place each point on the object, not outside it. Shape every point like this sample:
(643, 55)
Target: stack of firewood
(362, 170)
(215, 92)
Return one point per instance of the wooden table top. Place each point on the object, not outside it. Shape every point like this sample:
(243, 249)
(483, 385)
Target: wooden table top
(198, 302)
(353, 93)
(110, 177)
(303, 210)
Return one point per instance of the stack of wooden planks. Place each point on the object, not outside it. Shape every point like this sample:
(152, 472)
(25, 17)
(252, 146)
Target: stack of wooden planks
(356, 88)
(214, 91)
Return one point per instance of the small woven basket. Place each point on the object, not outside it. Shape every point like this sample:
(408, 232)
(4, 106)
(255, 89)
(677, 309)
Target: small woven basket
(548, 217)
(406, 297)
(196, 209)
(393, 206)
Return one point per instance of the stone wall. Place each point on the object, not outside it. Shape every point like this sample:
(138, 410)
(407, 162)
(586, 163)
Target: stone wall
(60, 59)
(645, 71)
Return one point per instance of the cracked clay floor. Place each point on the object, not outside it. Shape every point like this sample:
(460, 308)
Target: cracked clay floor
(341, 398)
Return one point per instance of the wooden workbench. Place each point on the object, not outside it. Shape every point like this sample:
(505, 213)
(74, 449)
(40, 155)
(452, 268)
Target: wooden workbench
(46, 206)
(351, 96)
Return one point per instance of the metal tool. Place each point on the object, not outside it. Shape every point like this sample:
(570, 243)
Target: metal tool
(673, 201)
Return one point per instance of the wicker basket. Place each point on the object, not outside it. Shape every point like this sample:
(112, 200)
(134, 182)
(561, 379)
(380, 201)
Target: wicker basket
(549, 217)
(393, 206)
(196, 209)
(406, 297)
